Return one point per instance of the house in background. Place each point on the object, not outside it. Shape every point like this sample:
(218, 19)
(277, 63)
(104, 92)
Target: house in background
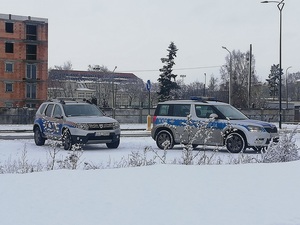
(108, 89)
(23, 60)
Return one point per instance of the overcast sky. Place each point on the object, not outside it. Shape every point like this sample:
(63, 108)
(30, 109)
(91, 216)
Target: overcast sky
(134, 34)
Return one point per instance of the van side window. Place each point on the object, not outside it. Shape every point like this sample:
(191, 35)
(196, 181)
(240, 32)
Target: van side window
(163, 110)
(181, 110)
(204, 111)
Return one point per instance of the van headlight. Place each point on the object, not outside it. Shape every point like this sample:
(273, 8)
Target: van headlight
(252, 128)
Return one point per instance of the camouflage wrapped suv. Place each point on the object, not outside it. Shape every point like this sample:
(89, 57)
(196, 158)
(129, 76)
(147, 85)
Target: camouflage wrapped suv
(74, 122)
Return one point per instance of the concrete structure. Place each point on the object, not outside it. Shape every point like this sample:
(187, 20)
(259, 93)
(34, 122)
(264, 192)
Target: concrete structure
(23, 60)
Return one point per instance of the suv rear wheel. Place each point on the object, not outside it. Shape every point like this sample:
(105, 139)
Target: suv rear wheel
(235, 143)
(164, 140)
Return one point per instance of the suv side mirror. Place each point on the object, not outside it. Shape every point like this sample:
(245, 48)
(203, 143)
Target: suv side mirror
(213, 115)
(58, 116)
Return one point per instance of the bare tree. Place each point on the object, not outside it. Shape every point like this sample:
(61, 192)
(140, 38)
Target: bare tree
(66, 66)
(239, 70)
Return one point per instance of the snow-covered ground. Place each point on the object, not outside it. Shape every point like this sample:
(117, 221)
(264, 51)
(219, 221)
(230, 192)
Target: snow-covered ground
(247, 194)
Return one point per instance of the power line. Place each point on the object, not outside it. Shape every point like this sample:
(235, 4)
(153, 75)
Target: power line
(188, 68)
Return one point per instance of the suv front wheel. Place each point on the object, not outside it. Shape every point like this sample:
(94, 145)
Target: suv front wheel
(164, 140)
(67, 140)
(113, 144)
(38, 138)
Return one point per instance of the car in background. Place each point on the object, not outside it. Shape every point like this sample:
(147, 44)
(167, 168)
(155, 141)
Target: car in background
(211, 123)
(74, 122)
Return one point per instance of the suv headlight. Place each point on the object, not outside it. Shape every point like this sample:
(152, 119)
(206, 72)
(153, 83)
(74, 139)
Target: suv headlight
(116, 125)
(83, 126)
(252, 128)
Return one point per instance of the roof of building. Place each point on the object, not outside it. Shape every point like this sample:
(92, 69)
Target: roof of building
(22, 18)
(90, 75)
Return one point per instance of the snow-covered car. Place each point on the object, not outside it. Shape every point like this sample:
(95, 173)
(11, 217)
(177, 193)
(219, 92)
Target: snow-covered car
(74, 122)
(223, 125)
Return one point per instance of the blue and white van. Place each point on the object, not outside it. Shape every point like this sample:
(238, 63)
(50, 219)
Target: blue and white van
(211, 123)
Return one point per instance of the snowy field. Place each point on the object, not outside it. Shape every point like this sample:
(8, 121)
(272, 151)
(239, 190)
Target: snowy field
(244, 194)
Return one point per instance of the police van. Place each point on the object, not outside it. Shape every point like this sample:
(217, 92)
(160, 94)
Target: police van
(201, 121)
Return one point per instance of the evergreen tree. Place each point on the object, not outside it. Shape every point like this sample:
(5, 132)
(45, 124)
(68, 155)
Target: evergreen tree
(273, 80)
(167, 86)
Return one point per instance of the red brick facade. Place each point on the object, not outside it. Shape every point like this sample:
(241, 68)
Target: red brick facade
(23, 60)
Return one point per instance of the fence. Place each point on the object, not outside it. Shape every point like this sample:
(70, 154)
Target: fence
(139, 115)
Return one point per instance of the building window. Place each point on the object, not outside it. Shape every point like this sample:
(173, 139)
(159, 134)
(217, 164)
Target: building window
(8, 104)
(31, 52)
(9, 67)
(8, 87)
(31, 71)
(89, 95)
(31, 91)
(31, 32)
(9, 47)
(81, 95)
(9, 27)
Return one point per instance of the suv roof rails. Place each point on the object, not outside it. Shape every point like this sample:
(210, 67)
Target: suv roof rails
(64, 100)
(203, 99)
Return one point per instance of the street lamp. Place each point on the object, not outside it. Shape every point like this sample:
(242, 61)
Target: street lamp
(286, 87)
(113, 92)
(230, 75)
(204, 94)
(280, 5)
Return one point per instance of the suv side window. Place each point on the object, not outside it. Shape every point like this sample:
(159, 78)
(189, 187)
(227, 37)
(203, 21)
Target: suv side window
(41, 109)
(49, 110)
(57, 111)
(204, 111)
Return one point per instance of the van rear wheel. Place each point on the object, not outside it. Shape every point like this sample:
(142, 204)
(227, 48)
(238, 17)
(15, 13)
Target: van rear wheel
(164, 140)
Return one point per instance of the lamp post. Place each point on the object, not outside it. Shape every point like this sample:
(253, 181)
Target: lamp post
(286, 87)
(230, 75)
(204, 94)
(280, 5)
(113, 93)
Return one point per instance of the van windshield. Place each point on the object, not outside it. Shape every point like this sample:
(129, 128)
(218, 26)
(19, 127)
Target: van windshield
(82, 110)
(231, 112)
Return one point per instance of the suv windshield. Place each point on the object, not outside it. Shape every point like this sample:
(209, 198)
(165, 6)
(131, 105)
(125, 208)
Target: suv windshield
(231, 112)
(82, 110)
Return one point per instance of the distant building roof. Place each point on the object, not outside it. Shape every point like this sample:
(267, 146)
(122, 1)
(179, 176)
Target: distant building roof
(91, 75)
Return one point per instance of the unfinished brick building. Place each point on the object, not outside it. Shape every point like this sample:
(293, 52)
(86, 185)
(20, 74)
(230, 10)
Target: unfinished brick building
(23, 60)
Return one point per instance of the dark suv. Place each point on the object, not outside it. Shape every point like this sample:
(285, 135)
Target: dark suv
(74, 122)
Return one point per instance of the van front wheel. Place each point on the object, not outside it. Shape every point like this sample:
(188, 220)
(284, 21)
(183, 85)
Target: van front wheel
(235, 143)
